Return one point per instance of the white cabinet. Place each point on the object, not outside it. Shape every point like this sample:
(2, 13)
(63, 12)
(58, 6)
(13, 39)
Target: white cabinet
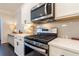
(19, 46)
(55, 51)
(26, 12)
(11, 39)
(24, 15)
(64, 10)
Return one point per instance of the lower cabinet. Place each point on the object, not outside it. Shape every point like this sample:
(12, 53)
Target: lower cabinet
(55, 51)
(19, 47)
(11, 39)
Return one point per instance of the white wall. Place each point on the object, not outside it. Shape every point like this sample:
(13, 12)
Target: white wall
(7, 19)
(0, 29)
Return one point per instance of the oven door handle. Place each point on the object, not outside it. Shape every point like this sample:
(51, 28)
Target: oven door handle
(43, 51)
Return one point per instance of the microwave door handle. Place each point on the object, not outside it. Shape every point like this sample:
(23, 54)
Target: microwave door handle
(46, 9)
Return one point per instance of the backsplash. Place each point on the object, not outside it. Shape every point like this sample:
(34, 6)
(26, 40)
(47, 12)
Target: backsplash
(66, 28)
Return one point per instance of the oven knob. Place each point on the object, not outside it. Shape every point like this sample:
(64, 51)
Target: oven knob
(37, 44)
(34, 43)
(40, 44)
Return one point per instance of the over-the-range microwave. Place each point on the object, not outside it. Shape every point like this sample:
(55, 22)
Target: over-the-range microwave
(43, 11)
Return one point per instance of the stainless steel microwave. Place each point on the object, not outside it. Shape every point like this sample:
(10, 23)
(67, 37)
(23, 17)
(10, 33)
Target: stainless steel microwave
(43, 11)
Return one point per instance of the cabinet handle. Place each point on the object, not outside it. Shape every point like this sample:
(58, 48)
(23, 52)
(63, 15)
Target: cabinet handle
(61, 55)
(19, 39)
(17, 43)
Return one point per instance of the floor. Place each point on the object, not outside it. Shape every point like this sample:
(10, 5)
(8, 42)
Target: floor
(34, 53)
(6, 50)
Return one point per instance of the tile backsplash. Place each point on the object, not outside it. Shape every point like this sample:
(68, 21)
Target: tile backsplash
(66, 29)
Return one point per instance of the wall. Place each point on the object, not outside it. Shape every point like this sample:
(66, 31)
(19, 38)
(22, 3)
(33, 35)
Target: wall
(18, 17)
(0, 29)
(66, 29)
(6, 19)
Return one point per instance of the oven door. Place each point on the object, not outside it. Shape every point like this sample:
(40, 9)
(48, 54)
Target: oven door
(40, 50)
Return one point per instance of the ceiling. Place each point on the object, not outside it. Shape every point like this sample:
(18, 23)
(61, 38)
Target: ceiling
(10, 7)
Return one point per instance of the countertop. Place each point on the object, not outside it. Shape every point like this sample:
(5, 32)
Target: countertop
(20, 35)
(68, 44)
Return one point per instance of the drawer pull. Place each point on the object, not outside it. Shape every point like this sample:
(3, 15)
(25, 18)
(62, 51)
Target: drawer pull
(17, 43)
(61, 55)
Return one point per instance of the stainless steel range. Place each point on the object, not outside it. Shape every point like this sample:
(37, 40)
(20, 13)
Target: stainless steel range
(40, 41)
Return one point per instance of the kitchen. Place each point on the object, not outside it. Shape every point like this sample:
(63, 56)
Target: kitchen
(48, 29)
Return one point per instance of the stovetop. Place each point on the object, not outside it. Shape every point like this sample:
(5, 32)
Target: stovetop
(44, 38)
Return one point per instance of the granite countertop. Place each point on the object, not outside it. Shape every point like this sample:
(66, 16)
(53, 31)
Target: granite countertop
(68, 44)
(21, 35)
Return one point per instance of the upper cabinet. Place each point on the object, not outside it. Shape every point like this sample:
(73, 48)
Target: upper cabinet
(63, 10)
(26, 12)
(24, 15)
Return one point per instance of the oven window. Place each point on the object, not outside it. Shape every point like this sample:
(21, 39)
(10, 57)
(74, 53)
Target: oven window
(27, 50)
(30, 52)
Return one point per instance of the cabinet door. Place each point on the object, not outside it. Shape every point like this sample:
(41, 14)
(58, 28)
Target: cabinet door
(54, 51)
(69, 53)
(66, 9)
(19, 48)
(11, 40)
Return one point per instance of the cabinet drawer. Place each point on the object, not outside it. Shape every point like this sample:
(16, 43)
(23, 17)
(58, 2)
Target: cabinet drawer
(69, 53)
(19, 48)
(55, 51)
(11, 40)
(19, 39)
